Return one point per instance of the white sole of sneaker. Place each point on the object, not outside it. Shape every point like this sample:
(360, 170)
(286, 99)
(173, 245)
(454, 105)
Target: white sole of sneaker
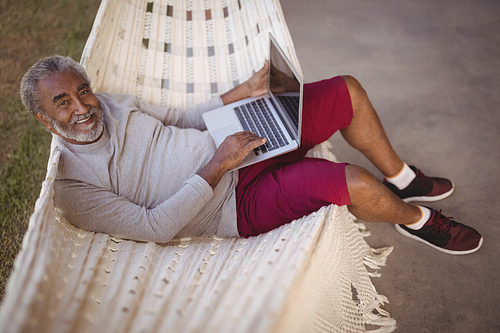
(407, 234)
(431, 199)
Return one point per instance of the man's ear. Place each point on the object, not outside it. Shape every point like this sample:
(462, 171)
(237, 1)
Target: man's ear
(44, 120)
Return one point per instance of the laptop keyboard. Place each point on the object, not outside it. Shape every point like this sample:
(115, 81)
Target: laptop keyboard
(257, 118)
(291, 106)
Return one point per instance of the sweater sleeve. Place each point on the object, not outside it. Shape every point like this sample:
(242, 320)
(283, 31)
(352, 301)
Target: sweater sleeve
(99, 210)
(188, 118)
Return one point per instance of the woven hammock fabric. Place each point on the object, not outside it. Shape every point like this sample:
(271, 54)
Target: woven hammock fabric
(308, 276)
(179, 53)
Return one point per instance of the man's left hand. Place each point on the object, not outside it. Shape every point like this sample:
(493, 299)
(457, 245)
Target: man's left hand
(255, 86)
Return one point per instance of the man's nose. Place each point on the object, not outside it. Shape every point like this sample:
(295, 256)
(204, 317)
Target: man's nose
(80, 107)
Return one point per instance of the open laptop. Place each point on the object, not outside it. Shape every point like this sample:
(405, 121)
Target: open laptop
(277, 115)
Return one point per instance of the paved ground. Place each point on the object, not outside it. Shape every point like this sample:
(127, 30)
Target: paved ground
(432, 70)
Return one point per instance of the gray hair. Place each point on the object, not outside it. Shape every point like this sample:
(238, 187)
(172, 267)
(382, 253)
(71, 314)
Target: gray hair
(30, 95)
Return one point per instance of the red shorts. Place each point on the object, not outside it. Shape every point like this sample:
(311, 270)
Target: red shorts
(282, 189)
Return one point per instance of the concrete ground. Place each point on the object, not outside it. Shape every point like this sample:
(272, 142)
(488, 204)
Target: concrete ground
(432, 70)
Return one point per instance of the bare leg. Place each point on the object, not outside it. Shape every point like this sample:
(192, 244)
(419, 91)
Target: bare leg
(366, 133)
(372, 201)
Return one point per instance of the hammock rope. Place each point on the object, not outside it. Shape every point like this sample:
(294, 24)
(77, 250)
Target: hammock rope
(309, 275)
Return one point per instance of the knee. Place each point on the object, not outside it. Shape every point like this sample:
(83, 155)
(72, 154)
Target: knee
(359, 181)
(357, 176)
(355, 88)
(350, 80)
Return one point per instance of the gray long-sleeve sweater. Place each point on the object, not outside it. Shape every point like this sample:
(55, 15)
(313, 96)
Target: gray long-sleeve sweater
(139, 181)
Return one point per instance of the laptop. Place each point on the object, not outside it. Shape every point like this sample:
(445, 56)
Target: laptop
(277, 115)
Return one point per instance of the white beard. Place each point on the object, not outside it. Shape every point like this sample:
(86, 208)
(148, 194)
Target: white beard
(68, 131)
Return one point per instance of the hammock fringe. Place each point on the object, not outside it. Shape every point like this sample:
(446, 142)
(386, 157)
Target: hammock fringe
(313, 274)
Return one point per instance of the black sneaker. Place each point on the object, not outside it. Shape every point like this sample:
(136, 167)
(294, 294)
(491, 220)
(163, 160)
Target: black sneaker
(423, 188)
(445, 235)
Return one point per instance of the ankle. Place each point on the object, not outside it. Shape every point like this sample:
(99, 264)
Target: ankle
(403, 178)
(425, 214)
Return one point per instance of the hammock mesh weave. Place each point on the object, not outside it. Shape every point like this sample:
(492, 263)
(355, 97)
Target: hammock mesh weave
(312, 275)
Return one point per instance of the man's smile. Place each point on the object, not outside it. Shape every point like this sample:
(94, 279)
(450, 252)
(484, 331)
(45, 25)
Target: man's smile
(84, 120)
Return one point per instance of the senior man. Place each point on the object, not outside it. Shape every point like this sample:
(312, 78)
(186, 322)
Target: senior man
(149, 173)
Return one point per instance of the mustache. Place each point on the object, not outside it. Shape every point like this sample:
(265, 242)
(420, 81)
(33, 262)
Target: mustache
(76, 118)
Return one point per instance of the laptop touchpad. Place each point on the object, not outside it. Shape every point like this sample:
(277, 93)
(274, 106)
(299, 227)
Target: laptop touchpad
(222, 133)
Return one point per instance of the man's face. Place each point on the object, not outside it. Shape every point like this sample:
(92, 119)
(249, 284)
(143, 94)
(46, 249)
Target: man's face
(72, 110)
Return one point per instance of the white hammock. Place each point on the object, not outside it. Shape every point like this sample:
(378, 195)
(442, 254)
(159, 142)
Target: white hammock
(309, 275)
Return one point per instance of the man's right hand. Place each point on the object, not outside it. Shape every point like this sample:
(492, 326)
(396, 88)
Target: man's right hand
(229, 154)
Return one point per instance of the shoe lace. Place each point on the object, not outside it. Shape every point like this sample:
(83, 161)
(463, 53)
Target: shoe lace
(424, 180)
(442, 223)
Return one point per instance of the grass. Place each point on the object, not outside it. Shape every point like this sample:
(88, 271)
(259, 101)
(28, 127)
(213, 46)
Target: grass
(29, 31)
(21, 182)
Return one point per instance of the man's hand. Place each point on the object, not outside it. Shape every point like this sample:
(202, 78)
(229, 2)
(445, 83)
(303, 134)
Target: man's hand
(229, 154)
(255, 86)
(235, 148)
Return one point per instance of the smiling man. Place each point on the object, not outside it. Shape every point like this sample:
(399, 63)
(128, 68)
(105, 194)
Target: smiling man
(75, 112)
(149, 173)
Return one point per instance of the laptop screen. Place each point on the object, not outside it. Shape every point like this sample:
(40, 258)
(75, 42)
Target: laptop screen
(285, 85)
